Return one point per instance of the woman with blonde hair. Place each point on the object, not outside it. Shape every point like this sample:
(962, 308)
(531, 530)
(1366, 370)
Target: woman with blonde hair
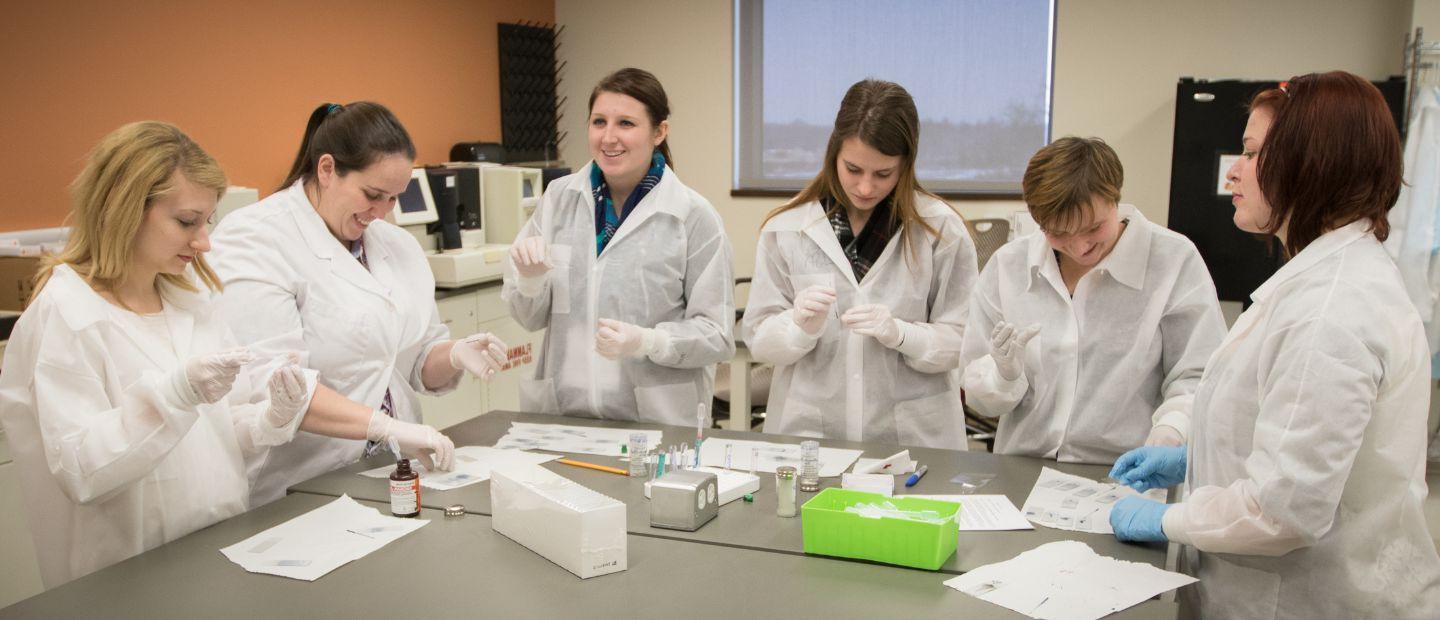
(127, 406)
(861, 289)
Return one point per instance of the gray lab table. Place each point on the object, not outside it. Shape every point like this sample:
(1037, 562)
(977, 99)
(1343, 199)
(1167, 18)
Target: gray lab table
(754, 525)
(460, 567)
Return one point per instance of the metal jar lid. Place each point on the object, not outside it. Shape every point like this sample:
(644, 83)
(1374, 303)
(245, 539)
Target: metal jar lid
(455, 510)
(785, 472)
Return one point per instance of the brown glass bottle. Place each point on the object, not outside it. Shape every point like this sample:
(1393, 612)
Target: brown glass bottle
(404, 490)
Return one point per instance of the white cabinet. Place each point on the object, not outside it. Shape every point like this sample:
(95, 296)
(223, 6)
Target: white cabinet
(476, 310)
(19, 572)
(503, 391)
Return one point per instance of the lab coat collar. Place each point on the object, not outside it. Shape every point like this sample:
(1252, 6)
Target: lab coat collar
(325, 246)
(1130, 257)
(819, 230)
(1318, 250)
(83, 307)
(667, 197)
(1127, 263)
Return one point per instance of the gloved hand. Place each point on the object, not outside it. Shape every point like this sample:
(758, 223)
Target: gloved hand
(874, 320)
(1007, 347)
(1136, 519)
(1150, 467)
(531, 256)
(482, 354)
(206, 379)
(417, 441)
(1164, 435)
(812, 308)
(287, 396)
(618, 339)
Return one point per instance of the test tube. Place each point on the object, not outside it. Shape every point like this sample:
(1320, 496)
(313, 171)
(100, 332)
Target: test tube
(728, 450)
(754, 458)
(809, 466)
(638, 447)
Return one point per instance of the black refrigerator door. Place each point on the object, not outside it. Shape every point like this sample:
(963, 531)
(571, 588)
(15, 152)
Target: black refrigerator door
(1209, 120)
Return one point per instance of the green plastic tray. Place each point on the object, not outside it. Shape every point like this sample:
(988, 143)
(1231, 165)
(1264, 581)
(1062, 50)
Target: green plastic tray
(829, 530)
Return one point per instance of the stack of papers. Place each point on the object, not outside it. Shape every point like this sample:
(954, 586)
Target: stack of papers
(833, 461)
(317, 542)
(1067, 580)
(1068, 502)
(574, 439)
(985, 513)
(472, 465)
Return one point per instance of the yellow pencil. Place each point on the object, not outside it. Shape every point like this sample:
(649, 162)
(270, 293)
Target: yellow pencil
(613, 470)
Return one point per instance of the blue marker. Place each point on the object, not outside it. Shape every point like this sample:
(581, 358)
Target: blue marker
(915, 477)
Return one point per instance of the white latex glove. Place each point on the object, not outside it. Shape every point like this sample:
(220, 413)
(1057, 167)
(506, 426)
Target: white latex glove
(417, 441)
(482, 354)
(1007, 346)
(207, 379)
(1165, 435)
(618, 339)
(812, 308)
(874, 320)
(531, 256)
(287, 396)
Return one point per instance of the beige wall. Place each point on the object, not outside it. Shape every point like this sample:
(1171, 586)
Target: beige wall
(1117, 62)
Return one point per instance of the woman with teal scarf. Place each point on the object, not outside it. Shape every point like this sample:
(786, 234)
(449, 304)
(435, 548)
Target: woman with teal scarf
(628, 269)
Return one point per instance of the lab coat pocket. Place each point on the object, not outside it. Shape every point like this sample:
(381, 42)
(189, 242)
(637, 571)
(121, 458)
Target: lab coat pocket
(667, 404)
(1230, 590)
(933, 422)
(560, 256)
(798, 418)
(538, 396)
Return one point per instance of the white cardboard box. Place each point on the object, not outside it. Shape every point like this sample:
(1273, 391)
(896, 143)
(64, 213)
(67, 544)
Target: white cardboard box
(569, 524)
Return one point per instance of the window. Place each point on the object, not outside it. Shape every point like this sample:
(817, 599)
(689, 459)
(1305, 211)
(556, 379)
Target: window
(979, 71)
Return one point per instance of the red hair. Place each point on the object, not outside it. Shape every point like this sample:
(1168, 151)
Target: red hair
(1332, 157)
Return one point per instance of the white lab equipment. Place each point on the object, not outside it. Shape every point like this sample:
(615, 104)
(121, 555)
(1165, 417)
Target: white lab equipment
(1307, 455)
(842, 384)
(1143, 321)
(290, 286)
(109, 466)
(668, 268)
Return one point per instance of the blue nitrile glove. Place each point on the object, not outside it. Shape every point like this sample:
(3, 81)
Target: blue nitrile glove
(1136, 519)
(1150, 467)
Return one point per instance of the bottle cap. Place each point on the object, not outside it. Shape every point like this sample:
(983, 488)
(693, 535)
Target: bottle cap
(455, 510)
(785, 472)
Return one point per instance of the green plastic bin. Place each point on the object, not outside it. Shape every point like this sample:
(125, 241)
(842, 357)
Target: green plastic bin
(829, 530)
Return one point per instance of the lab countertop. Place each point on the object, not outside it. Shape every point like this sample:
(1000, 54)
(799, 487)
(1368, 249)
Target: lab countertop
(754, 525)
(460, 567)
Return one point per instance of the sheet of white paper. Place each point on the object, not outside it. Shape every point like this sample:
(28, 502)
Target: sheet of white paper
(575, 439)
(1066, 580)
(1069, 502)
(472, 465)
(833, 461)
(883, 484)
(317, 542)
(899, 463)
(979, 513)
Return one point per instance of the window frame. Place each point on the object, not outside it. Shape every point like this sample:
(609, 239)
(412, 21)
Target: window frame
(746, 179)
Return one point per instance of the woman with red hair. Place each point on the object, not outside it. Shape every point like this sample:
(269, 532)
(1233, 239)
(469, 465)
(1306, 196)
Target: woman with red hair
(1306, 462)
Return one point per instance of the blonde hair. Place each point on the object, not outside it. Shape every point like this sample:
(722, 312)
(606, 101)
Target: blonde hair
(1066, 175)
(883, 116)
(127, 171)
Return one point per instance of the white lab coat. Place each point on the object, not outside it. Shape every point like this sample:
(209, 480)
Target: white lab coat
(1413, 242)
(1120, 357)
(1306, 473)
(108, 467)
(668, 268)
(844, 385)
(290, 286)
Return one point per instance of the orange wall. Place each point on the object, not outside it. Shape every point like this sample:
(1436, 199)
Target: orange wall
(239, 76)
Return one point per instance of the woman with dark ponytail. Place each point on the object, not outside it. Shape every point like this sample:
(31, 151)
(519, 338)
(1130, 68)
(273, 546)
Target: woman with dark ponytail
(630, 271)
(313, 270)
